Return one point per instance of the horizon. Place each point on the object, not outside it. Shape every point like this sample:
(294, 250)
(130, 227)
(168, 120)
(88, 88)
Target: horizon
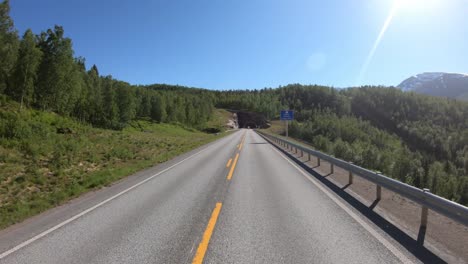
(256, 45)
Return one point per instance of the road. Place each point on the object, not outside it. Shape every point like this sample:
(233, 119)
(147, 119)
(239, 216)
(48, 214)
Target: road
(207, 206)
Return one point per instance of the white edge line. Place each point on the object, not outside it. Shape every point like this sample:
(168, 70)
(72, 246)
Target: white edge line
(52, 229)
(358, 219)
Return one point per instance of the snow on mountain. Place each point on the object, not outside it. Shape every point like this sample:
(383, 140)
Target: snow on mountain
(453, 85)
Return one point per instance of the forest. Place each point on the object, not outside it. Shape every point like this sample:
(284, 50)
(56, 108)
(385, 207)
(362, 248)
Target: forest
(417, 139)
(41, 71)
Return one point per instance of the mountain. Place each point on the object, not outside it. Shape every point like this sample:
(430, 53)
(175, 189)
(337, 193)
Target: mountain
(453, 85)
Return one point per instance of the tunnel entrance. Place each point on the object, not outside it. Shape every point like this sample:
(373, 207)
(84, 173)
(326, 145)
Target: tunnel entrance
(251, 120)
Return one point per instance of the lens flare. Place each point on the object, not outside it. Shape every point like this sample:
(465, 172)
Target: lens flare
(390, 16)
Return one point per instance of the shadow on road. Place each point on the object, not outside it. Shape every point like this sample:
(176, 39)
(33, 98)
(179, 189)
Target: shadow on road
(416, 247)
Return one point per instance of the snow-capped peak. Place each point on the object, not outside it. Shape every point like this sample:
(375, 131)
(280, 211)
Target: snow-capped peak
(453, 85)
(418, 80)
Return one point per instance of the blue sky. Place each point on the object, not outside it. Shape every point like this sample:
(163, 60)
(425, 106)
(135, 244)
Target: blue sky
(236, 44)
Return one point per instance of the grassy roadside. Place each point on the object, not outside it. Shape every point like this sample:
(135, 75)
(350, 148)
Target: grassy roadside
(41, 168)
(219, 119)
(278, 129)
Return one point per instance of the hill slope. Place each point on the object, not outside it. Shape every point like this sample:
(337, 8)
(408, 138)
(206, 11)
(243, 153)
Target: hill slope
(46, 159)
(418, 139)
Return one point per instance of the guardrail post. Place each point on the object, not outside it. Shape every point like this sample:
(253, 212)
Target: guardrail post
(423, 226)
(379, 192)
(424, 213)
(332, 168)
(302, 153)
(318, 161)
(309, 157)
(350, 180)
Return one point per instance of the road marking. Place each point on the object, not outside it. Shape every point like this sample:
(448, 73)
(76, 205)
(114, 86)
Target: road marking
(358, 219)
(228, 163)
(233, 167)
(242, 139)
(50, 230)
(203, 246)
(242, 142)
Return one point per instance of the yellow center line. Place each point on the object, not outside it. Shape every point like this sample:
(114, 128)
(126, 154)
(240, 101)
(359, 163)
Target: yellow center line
(203, 246)
(228, 163)
(233, 167)
(242, 142)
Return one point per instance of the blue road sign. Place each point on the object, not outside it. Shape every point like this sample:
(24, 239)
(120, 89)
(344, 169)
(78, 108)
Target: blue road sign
(287, 115)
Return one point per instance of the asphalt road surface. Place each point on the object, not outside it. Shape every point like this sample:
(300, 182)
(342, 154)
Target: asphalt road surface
(237, 200)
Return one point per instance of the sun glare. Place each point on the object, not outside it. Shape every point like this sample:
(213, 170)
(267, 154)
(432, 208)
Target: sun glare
(414, 7)
(378, 40)
(416, 4)
(407, 3)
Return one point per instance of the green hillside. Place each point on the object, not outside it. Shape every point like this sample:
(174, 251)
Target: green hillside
(46, 159)
(417, 139)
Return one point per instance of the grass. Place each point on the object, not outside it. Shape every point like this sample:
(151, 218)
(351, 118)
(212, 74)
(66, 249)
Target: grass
(219, 119)
(277, 127)
(40, 168)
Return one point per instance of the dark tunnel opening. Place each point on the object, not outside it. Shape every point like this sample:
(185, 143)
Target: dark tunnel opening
(251, 120)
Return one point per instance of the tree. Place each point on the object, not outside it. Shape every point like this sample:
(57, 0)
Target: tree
(8, 46)
(110, 108)
(126, 102)
(143, 102)
(158, 109)
(81, 107)
(25, 74)
(95, 99)
(435, 176)
(191, 114)
(59, 84)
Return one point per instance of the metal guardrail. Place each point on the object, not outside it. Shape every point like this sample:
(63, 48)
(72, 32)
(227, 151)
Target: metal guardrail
(424, 197)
